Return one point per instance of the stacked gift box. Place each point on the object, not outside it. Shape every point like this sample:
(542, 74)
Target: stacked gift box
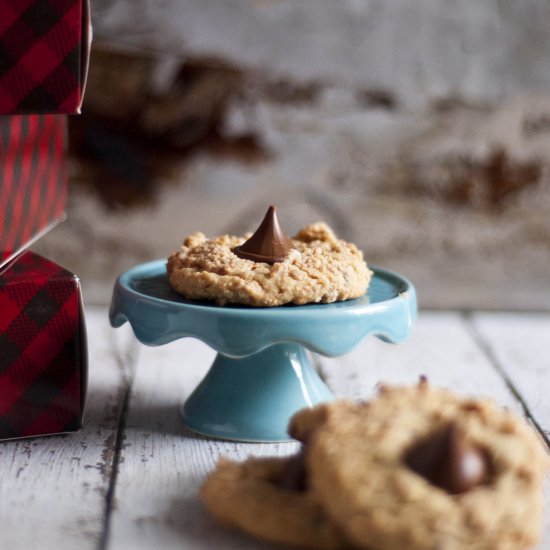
(44, 49)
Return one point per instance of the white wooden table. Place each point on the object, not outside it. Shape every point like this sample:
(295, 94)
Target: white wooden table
(129, 479)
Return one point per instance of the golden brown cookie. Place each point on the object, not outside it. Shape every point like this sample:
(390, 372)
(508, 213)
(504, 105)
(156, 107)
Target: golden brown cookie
(318, 269)
(266, 498)
(380, 470)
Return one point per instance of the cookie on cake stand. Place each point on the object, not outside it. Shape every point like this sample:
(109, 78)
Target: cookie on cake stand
(262, 374)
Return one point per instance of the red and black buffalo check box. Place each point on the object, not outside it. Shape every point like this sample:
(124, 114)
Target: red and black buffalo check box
(44, 50)
(33, 179)
(43, 361)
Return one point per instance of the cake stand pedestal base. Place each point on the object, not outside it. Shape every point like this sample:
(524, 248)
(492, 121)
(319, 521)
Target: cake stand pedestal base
(253, 398)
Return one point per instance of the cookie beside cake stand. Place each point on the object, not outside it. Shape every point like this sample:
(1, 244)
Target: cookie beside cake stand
(262, 374)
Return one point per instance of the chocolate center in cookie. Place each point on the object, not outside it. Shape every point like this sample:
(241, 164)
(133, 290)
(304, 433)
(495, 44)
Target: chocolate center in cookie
(448, 461)
(293, 476)
(269, 244)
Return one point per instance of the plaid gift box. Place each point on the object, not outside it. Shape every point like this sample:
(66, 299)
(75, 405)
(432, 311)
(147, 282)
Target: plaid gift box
(33, 185)
(44, 50)
(43, 363)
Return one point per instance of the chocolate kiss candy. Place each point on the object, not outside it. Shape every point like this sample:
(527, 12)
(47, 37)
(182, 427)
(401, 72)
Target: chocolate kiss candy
(268, 244)
(446, 460)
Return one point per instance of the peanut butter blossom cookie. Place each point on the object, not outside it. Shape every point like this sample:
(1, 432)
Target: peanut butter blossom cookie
(268, 498)
(423, 469)
(269, 268)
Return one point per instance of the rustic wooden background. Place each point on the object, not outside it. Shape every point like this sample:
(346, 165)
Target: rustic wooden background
(419, 130)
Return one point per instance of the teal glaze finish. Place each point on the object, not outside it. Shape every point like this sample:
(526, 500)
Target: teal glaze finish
(260, 350)
(158, 315)
(254, 396)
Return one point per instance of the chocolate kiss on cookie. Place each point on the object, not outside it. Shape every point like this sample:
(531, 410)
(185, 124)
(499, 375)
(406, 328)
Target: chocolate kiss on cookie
(269, 244)
(448, 461)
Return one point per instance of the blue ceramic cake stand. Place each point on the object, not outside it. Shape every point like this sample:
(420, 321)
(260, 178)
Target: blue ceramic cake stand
(262, 374)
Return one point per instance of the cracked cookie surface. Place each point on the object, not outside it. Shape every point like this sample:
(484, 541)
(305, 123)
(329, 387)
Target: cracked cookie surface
(319, 269)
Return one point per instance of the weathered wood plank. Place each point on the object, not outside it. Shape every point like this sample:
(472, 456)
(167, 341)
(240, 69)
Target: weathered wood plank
(163, 464)
(52, 490)
(440, 348)
(518, 344)
(375, 43)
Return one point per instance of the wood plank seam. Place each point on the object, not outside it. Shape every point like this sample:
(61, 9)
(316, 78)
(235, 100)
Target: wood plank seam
(126, 364)
(486, 348)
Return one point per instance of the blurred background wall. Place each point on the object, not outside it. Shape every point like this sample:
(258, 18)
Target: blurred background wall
(419, 129)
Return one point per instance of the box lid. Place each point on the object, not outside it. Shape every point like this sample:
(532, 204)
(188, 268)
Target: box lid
(44, 52)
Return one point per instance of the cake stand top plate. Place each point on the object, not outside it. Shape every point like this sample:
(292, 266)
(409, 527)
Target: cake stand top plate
(159, 315)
